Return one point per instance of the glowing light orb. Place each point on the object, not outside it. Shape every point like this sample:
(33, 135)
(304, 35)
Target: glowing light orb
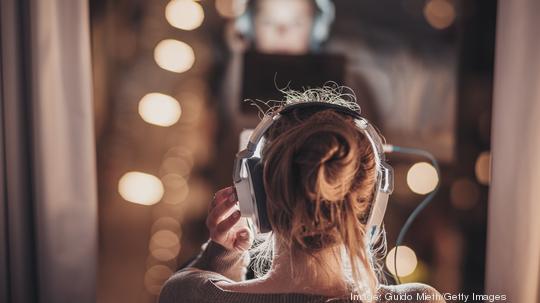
(175, 56)
(140, 188)
(439, 13)
(164, 245)
(159, 109)
(184, 14)
(422, 178)
(482, 168)
(406, 261)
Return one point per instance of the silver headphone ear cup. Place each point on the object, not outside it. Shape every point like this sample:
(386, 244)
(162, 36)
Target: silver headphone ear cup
(255, 172)
(378, 210)
(323, 21)
(243, 193)
(243, 24)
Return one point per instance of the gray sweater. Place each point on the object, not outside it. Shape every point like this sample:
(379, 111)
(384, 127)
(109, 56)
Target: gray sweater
(197, 284)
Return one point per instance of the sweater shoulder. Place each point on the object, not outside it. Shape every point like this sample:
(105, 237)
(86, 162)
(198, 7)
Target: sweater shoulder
(188, 285)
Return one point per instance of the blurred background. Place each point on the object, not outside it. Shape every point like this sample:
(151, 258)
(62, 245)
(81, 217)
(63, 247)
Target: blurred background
(170, 78)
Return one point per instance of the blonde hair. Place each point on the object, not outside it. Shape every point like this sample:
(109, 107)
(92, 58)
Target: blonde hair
(319, 174)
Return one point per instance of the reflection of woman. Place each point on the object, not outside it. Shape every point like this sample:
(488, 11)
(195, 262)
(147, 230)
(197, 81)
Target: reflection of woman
(292, 27)
(278, 27)
(319, 176)
(282, 27)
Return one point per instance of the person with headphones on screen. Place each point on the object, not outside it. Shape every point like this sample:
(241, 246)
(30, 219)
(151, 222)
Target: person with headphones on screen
(292, 27)
(281, 27)
(272, 27)
(315, 197)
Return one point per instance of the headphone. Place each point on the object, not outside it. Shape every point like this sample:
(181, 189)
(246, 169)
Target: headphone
(248, 169)
(324, 17)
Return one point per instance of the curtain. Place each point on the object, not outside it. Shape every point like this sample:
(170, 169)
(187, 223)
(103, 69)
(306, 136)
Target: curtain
(513, 260)
(48, 230)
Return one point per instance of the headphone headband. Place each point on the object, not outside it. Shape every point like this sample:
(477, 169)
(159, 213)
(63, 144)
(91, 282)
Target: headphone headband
(321, 106)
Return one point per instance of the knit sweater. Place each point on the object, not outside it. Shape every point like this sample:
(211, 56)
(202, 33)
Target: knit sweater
(197, 283)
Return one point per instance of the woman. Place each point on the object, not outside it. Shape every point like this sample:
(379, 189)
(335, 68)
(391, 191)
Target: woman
(319, 177)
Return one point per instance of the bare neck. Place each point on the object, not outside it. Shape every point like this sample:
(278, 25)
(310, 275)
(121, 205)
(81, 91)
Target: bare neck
(318, 274)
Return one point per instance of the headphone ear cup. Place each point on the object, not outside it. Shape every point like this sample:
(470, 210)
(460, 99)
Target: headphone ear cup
(244, 25)
(256, 168)
(323, 21)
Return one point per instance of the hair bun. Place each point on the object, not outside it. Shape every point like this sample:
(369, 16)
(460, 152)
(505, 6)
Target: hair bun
(327, 157)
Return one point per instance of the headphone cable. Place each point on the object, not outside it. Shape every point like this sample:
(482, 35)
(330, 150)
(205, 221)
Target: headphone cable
(428, 199)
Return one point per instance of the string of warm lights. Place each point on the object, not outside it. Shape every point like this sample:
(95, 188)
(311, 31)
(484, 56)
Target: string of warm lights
(171, 187)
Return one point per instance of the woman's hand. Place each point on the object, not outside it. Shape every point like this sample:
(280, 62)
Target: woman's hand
(224, 222)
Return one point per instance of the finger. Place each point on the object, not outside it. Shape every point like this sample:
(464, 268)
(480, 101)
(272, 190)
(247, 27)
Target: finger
(221, 195)
(223, 227)
(243, 240)
(224, 191)
(217, 213)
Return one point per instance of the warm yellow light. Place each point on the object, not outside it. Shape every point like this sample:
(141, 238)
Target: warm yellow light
(140, 188)
(482, 168)
(174, 55)
(406, 261)
(159, 109)
(164, 245)
(439, 13)
(231, 8)
(184, 14)
(422, 178)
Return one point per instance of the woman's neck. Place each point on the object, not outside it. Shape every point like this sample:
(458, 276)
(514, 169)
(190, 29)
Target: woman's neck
(320, 273)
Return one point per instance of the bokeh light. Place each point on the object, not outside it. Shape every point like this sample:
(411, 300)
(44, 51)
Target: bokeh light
(184, 14)
(164, 245)
(439, 13)
(422, 178)
(464, 194)
(159, 109)
(482, 168)
(175, 56)
(154, 278)
(193, 105)
(176, 188)
(140, 188)
(176, 165)
(166, 223)
(231, 8)
(181, 152)
(406, 261)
